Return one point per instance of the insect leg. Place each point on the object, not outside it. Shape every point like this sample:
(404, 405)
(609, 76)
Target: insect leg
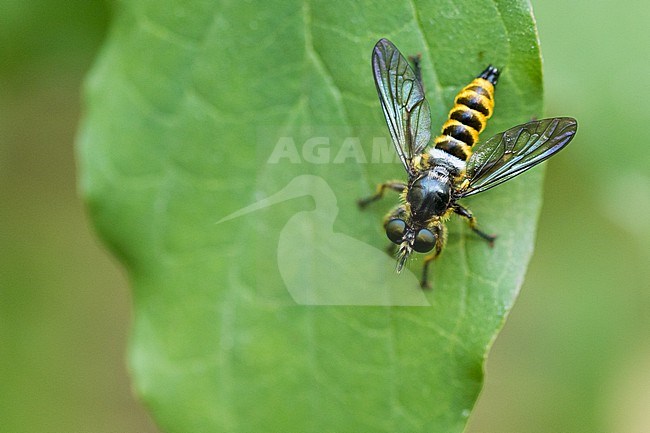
(473, 224)
(424, 282)
(395, 185)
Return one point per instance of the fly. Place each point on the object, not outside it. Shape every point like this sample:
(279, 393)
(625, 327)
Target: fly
(454, 165)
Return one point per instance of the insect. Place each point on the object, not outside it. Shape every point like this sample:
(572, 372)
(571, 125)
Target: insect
(454, 165)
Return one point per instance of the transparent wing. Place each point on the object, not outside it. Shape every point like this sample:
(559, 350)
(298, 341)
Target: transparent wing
(402, 99)
(514, 151)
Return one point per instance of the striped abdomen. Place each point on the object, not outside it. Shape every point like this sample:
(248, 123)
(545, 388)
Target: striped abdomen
(472, 108)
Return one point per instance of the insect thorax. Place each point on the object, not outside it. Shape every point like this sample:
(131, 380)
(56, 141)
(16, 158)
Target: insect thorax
(429, 194)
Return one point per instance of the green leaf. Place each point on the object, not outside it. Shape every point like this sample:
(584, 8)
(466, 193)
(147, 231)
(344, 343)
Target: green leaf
(289, 316)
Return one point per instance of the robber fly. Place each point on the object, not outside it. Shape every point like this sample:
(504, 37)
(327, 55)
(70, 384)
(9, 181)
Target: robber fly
(449, 169)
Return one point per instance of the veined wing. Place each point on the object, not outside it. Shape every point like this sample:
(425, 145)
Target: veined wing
(402, 99)
(514, 151)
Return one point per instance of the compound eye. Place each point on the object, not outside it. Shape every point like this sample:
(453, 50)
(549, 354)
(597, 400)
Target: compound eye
(424, 241)
(395, 230)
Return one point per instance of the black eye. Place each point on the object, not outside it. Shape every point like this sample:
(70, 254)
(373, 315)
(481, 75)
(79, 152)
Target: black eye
(395, 230)
(424, 241)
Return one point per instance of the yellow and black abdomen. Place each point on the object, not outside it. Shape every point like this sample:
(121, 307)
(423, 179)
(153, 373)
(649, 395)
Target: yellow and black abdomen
(472, 108)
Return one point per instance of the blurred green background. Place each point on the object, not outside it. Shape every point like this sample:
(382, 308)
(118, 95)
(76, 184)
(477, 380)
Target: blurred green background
(574, 355)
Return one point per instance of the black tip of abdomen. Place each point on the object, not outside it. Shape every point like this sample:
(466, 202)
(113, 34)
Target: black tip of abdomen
(491, 74)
